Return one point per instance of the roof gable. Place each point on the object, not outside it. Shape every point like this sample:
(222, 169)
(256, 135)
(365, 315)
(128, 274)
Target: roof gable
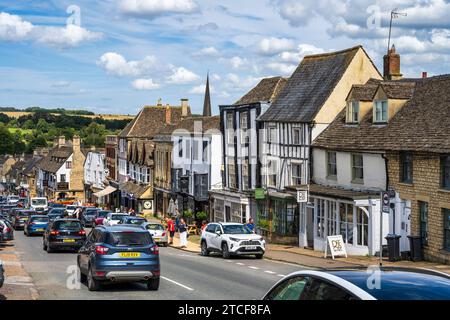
(266, 90)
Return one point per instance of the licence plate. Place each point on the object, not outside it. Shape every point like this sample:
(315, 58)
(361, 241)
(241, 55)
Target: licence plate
(157, 239)
(129, 254)
(68, 240)
(39, 230)
(250, 247)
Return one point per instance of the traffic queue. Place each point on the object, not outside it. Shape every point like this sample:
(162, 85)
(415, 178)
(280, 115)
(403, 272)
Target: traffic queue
(119, 247)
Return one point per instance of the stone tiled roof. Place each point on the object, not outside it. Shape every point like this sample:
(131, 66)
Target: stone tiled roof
(150, 120)
(55, 159)
(423, 124)
(310, 86)
(266, 90)
(141, 152)
(31, 165)
(398, 89)
(208, 124)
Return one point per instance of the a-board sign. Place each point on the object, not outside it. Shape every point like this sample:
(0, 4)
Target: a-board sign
(337, 246)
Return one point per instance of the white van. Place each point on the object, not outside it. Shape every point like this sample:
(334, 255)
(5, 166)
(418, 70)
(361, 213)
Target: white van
(39, 204)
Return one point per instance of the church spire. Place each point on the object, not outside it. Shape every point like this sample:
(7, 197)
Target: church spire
(207, 102)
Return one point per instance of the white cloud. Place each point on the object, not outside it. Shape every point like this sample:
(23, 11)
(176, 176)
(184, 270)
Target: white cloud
(13, 28)
(207, 52)
(236, 62)
(216, 77)
(282, 68)
(145, 84)
(200, 89)
(116, 64)
(69, 36)
(153, 8)
(272, 46)
(235, 82)
(182, 76)
(61, 84)
(302, 51)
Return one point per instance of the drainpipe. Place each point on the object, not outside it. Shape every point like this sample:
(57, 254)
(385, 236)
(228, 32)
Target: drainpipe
(386, 162)
(386, 168)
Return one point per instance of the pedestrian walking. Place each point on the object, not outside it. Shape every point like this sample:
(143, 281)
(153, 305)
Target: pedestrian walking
(204, 224)
(182, 228)
(170, 229)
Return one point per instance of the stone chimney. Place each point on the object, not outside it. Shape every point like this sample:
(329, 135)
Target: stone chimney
(424, 74)
(184, 107)
(61, 141)
(168, 114)
(76, 143)
(391, 70)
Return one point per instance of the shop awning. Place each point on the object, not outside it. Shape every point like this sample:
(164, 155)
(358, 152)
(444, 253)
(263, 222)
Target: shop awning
(105, 192)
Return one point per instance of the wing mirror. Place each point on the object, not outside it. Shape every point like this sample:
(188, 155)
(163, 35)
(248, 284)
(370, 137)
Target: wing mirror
(219, 233)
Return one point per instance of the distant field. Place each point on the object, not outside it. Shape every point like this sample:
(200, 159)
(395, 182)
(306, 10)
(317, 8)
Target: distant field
(17, 114)
(22, 131)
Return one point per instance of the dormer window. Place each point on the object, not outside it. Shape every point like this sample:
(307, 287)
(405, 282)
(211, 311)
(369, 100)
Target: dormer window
(380, 111)
(353, 111)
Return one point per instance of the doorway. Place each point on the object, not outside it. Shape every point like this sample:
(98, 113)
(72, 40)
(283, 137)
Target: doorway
(227, 214)
(310, 227)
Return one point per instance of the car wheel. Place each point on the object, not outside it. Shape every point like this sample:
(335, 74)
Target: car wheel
(205, 251)
(82, 276)
(225, 252)
(49, 250)
(153, 284)
(93, 285)
(259, 256)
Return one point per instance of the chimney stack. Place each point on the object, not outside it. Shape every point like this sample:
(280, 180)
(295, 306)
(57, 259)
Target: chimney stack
(61, 141)
(168, 114)
(391, 70)
(184, 107)
(76, 143)
(424, 74)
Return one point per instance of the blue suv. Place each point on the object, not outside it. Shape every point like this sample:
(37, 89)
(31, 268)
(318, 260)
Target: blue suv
(124, 253)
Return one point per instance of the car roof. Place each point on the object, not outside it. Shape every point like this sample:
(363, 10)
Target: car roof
(228, 223)
(394, 283)
(122, 228)
(38, 216)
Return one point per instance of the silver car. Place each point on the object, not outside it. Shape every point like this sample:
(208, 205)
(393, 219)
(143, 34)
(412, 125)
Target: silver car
(157, 232)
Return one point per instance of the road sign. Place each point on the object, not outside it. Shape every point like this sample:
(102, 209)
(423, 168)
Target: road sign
(302, 196)
(385, 201)
(337, 246)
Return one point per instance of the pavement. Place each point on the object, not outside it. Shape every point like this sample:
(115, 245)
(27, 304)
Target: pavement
(18, 284)
(184, 276)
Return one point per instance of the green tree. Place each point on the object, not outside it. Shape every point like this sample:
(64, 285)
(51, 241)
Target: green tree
(36, 141)
(42, 125)
(28, 124)
(94, 135)
(18, 144)
(6, 141)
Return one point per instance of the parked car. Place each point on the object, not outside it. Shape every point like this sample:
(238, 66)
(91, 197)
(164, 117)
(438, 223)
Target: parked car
(132, 220)
(231, 239)
(157, 232)
(36, 225)
(20, 218)
(352, 284)
(2, 274)
(119, 253)
(63, 234)
(114, 218)
(6, 230)
(88, 215)
(12, 199)
(101, 215)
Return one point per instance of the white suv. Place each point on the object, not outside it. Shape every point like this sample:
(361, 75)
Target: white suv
(231, 239)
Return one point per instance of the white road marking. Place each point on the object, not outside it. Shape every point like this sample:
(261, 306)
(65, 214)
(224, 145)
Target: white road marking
(177, 283)
(270, 272)
(240, 263)
(280, 275)
(251, 267)
(229, 261)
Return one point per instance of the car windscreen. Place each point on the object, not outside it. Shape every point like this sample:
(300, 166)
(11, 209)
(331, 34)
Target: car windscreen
(117, 217)
(103, 214)
(71, 207)
(128, 239)
(400, 285)
(39, 219)
(90, 212)
(155, 227)
(133, 221)
(67, 225)
(23, 214)
(38, 202)
(236, 229)
(57, 211)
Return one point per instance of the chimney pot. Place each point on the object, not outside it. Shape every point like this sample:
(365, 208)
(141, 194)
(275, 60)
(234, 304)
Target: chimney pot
(184, 107)
(391, 70)
(424, 74)
(168, 114)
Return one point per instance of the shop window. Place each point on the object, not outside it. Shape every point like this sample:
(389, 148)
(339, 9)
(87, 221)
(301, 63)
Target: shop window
(320, 218)
(346, 222)
(423, 207)
(285, 219)
(218, 210)
(331, 219)
(362, 224)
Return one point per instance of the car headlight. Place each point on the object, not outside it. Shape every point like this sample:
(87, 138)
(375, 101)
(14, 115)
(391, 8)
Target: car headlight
(234, 239)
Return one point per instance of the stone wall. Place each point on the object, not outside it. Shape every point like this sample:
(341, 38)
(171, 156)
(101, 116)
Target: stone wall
(426, 188)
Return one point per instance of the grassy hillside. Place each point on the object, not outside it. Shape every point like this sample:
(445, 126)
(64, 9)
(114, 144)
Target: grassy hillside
(17, 114)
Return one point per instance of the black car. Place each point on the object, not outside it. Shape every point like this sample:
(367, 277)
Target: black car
(56, 213)
(88, 216)
(20, 218)
(63, 234)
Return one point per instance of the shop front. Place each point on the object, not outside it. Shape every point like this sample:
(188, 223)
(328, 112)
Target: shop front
(137, 197)
(230, 206)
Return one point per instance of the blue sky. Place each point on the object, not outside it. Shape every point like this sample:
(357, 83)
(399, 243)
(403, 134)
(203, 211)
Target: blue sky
(117, 55)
